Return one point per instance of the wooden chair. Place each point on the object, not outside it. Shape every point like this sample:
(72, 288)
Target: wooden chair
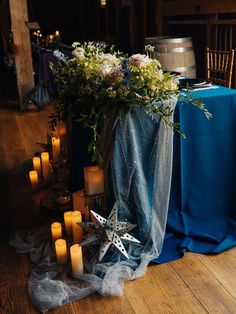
(219, 66)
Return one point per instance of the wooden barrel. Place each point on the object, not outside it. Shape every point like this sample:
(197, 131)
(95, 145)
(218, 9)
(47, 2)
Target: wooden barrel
(175, 54)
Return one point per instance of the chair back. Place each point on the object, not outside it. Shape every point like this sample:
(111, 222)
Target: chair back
(219, 66)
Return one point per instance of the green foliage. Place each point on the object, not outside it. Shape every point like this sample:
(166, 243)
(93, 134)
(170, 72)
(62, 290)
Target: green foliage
(97, 80)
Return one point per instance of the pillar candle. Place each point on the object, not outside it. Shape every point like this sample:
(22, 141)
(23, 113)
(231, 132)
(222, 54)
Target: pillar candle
(55, 148)
(68, 222)
(45, 165)
(87, 213)
(79, 200)
(61, 251)
(86, 169)
(95, 182)
(56, 231)
(37, 165)
(33, 175)
(76, 259)
(76, 229)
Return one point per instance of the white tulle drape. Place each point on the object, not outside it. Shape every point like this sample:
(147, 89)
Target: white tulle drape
(138, 151)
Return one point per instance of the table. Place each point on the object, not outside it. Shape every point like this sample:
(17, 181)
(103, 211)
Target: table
(202, 209)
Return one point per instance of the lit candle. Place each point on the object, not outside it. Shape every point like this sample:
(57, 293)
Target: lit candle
(33, 175)
(68, 222)
(79, 200)
(45, 165)
(61, 129)
(76, 259)
(51, 37)
(56, 231)
(93, 180)
(86, 169)
(103, 3)
(76, 229)
(57, 34)
(37, 165)
(55, 148)
(61, 251)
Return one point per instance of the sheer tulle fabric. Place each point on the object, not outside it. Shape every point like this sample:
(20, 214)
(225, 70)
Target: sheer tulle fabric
(138, 153)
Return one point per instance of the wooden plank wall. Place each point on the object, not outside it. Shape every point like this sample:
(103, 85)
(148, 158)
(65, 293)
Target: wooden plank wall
(186, 7)
(210, 23)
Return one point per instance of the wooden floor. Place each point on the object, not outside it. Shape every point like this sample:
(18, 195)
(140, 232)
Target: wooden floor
(194, 284)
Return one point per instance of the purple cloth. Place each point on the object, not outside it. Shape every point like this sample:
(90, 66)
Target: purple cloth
(45, 73)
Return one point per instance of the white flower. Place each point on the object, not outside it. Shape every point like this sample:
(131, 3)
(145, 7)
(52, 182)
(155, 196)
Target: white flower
(105, 70)
(109, 58)
(159, 75)
(78, 53)
(170, 85)
(139, 60)
(75, 44)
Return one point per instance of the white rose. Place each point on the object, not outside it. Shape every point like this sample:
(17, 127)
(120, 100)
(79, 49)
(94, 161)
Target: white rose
(78, 53)
(105, 70)
(109, 58)
(139, 60)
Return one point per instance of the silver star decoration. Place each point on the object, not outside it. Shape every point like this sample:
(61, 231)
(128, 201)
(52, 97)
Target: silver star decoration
(109, 233)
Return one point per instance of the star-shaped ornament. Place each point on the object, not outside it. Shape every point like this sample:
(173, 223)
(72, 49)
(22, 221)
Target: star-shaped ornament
(109, 232)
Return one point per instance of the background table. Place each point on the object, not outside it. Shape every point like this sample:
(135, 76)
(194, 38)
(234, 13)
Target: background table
(202, 210)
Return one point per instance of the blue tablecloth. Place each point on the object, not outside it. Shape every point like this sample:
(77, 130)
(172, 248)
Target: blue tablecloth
(202, 210)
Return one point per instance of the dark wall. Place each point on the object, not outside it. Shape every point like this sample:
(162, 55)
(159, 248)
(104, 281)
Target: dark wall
(76, 19)
(124, 24)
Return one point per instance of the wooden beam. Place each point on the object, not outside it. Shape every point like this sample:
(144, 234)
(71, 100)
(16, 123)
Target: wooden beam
(186, 7)
(159, 17)
(22, 49)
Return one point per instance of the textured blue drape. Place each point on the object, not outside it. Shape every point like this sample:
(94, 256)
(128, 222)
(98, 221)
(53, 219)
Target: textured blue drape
(202, 210)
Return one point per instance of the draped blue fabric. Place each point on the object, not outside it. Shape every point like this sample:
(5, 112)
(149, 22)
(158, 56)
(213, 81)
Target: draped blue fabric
(202, 210)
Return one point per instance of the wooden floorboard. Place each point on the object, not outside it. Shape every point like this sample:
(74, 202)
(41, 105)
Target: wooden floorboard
(223, 268)
(161, 290)
(194, 284)
(204, 285)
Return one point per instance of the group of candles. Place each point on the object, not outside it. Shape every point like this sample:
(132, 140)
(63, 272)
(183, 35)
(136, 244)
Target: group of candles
(38, 36)
(41, 165)
(71, 220)
(53, 37)
(94, 184)
(42, 169)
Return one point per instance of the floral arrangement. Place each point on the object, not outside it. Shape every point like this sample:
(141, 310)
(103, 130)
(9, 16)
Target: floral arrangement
(97, 80)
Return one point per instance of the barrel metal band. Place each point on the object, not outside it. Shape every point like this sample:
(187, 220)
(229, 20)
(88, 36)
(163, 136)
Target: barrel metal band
(182, 69)
(171, 40)
(173, 50)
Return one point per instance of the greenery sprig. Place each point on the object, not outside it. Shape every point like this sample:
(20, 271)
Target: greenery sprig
(97, 80)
